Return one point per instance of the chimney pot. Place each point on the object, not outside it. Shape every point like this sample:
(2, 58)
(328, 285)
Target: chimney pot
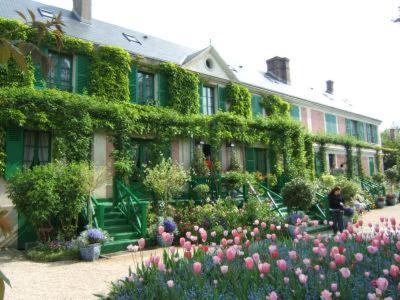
(279, 67)
(329, 87)
(83, 10)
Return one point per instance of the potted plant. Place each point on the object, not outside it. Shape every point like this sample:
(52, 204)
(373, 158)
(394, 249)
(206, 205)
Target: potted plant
(380, 202)
(90, 242)
(390, 199)
(201, 191)
(166, 230)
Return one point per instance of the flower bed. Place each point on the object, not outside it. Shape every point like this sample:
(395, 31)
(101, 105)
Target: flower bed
(255, 265)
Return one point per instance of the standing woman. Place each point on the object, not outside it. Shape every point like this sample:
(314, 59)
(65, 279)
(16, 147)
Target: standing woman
(336, 206)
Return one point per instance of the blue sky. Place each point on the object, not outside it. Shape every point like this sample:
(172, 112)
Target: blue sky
(355, 43)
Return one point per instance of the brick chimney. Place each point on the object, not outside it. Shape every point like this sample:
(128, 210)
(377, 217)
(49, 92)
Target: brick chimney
(83, 10)
(329, 87)
(279, 67)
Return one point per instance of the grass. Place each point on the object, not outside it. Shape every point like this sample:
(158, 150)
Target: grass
(45, 253)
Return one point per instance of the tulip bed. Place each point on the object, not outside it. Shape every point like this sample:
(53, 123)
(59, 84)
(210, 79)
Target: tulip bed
(361, 263)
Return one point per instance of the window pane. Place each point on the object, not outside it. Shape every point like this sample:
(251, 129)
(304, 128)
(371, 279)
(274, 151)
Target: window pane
(60, 72)
(29, 148)
(208, 102)
(44, 147)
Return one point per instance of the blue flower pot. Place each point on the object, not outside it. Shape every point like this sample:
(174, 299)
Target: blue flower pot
(90, 252)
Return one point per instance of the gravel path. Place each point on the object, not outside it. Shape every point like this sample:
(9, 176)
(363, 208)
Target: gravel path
(80, 280)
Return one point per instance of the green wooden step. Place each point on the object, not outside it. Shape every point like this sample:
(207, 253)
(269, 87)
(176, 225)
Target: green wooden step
(114, 215)
(115, 221)
(118, 229)
(117, 245)
(125, 236)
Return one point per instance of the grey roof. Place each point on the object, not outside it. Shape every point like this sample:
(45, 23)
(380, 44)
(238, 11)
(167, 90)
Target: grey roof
(155, 48)
(103, 33)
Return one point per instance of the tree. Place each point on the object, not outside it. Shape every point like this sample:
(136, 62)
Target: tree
(391, 142)
(12, 47)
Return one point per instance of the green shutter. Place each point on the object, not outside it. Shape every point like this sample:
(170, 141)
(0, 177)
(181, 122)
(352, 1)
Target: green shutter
(133, 87)
(361, 131)
(162, 85)
(256, 105)
(250, 159)
(349, 127)
(201, 97)
(369, 133)
(221, 98)
(39, 78)
(81, 73)
(318, 165)
(14, 151)
(371, 166)
(295, 112)
(374, 134)
(330, 121)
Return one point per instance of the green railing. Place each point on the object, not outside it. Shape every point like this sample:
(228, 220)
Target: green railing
(373, 188)
(321, 210)
(272, 197)
(89, 212)
(131, 207)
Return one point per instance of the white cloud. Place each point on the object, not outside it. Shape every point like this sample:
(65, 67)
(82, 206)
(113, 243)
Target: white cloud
(355, 43)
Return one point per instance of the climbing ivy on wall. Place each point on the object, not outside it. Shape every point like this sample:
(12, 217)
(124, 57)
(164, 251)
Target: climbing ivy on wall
(360, 167)
(309, 156)
(183, 89)
(2, 148)
(378, 161)
(274, 105)
(349, 161)
(109, 73)
(322, 158)
(239, 98)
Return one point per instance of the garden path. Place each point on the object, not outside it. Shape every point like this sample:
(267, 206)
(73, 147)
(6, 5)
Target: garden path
(80, 280)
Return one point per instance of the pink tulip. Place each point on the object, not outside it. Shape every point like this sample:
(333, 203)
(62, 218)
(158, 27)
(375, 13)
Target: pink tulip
(264, 268)
(307, 262)
(359, 257)
(382, 283)
(147, 262)
(230, 253)
(256, 231)
(317, 268)
(322, 277)
(226, 233)
(160, 230)
(224, 269)
(371, 296)
(203, 236)
(397, 258)
(182, 241)
(334, 287)
(372, 249)
(132, 248)
(196, 228)
(161, 267)
(197, 267)
(170, 284)
(213, 234)
(345, 272)
(315, 250)
(256, 258)
(216, 260)
(281, 265)
(249, 263)
(187, 245)
(166, 237)
(172, 250)
(256, 222)
(286, 280)
(273, 251)
(237, 240)
(220, 253)
(398, 245)
(272, 296)
(263, 225)
(188, 234)
(326, 295)
(340, 259)
(394, 271)
(366, 274)
(155, 259)
(293, 255)
(332, 265)
(224, 242)
(141, 243)
(303, 278)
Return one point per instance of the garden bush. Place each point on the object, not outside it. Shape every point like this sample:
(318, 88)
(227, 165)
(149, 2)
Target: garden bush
(198, 163)
(252, 264)
(53, 251)
(392, 176)
(52, 196)
(299, 194)
(350, 188)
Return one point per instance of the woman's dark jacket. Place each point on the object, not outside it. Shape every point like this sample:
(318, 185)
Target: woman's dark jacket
(334, 201)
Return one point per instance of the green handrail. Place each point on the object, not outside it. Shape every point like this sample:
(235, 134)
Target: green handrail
(92, 211)
(270, 196)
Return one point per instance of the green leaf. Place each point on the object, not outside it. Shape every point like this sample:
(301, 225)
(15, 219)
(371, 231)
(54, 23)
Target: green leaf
(4, 278)
(5, 52)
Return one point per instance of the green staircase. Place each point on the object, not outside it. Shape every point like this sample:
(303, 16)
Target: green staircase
(124, 218)
(373, 188)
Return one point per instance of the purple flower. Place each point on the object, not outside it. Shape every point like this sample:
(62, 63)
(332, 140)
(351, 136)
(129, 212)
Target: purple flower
(95, 236)
(169, 225)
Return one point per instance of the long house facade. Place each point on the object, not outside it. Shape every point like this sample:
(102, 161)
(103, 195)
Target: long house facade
(319, 112)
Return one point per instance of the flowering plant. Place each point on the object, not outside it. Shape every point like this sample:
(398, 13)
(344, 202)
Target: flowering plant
(93, 236)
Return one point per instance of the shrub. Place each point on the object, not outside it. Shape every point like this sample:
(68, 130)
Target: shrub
(349, 188)
(275, 106)
(299, 194)
(233, 180)
(52, 196)
(239, 98)
(202, 190)
(236, 164)
(198, 164)
(392, 176)
(379, 178)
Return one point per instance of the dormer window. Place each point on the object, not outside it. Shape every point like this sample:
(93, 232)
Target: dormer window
(46, 13)
(131, 38)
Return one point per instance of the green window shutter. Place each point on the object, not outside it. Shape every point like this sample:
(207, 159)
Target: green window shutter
(369, 133)
(14, 151)
(81, 73)
(162, 85)
(39, 78)
(256, 107)
(330, 121)
(201, 97)
(295, 112)
(250, 159)
(374, 134)
(349, 127)
(361, 131)
(133, 87)
(221, 98)
(318, 166)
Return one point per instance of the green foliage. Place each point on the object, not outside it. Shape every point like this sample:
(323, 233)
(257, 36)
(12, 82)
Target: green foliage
(202, 190)
(349, 161)
(50, 252)
(322, 158)
(392, 176)
(52, 196)
(239, 98)
(198, 163)
(360, 167)
(275, 106)
(233, 179)
(309, 156)
(379, 178)
(350, 188)
(183, 89)
(166, 179)
(299, 194)
(236, 164)
(109, 77)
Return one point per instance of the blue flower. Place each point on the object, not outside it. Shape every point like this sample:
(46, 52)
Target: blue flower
(169, 225)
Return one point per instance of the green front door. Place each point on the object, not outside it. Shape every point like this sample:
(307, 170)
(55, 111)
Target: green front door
(371, 166)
